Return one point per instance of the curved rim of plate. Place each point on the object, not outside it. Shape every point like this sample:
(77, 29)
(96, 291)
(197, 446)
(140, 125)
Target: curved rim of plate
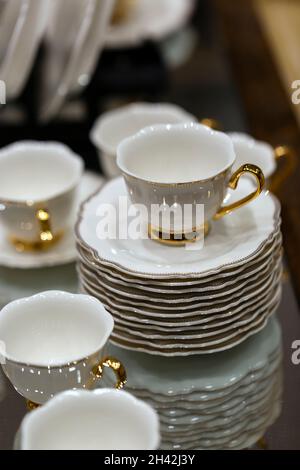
(195, 310)
(188, 297)
(195, 351)
(228, 287)
(207, 342)
(184, 281)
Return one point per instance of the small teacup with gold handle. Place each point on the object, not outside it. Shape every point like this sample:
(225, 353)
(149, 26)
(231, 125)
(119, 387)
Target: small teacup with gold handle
(175, 170)
(38, 187)
(55, 341)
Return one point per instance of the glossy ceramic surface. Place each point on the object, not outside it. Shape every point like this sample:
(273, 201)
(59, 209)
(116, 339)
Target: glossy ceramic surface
(59, 340)
(177, 166)
(114, 126)
(61, 253)
(104, 419)
(51, 187)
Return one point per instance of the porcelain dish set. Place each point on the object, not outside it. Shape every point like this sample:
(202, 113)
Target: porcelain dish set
(185, 302)
(179, 304)
(196, 298)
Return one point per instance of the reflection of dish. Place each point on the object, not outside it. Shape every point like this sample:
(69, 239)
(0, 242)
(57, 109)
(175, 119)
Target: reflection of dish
(219, 401)
(62, 253)
(153, 19)
(72, 52)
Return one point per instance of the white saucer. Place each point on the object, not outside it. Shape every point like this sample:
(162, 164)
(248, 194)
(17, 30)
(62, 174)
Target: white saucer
(150, 20)
(234, 240)
(231, 285)
(225, 278)
(62, 253)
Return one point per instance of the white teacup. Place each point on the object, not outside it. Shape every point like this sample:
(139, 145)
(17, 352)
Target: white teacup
(265, 156)
(100, 420)
(182, 167)
(55, 341)
(114, 126)
(38, 185)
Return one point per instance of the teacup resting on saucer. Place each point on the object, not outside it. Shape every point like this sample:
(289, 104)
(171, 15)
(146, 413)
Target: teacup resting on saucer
(55, 341)
(181, 174)
(38, 186)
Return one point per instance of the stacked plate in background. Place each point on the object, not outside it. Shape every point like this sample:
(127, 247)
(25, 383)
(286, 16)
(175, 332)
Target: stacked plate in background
(22, 24)
(173, 301)
(222, 401)
(75, 32)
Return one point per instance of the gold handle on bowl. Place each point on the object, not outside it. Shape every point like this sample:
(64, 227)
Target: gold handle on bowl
(122, 10)
(43, 217)
(31, 406)
(116, 366)
(212, 123)
(287, 155)
(233, 182)
(45, 239)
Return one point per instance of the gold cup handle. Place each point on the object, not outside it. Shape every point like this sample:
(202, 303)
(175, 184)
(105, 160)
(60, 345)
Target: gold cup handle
(287, 156)
(43, 218)
(214, 124)
(233, 182)
(116, 366)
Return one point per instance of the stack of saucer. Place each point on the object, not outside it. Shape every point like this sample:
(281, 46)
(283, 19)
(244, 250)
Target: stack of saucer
(226, 400)
(174, 301)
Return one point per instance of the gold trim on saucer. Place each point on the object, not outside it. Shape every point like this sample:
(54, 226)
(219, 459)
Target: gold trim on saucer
(177, 239)
(233, 182)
